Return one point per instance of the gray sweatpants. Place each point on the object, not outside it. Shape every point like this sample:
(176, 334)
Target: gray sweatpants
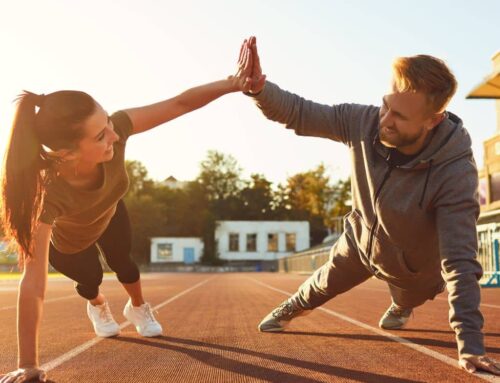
(343, 271)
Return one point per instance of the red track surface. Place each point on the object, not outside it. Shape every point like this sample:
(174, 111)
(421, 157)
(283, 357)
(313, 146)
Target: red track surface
(211, 335)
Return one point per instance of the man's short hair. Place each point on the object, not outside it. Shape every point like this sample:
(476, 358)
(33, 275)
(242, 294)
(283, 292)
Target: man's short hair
(426, 74)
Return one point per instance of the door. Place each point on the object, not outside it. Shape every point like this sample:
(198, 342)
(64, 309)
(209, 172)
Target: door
(188, 255)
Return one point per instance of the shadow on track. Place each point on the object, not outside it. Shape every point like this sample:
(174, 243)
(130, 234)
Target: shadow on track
(252, 370)
(380, 338)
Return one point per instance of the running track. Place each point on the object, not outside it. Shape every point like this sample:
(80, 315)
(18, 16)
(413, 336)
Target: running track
(210, 335)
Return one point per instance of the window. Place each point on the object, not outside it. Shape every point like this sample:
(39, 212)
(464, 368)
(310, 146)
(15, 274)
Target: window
(290, 241)
(495, 187)
(483, 184)
(234, 239)
(251, 242)
(165, 252)
(272, 242)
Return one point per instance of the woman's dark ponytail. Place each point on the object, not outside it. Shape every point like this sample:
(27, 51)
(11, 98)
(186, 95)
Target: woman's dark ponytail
(21, 185)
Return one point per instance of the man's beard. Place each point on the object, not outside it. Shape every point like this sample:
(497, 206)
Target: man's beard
(394, 139)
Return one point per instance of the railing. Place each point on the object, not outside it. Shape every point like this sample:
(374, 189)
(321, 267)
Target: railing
(488, 256)
(306, 261)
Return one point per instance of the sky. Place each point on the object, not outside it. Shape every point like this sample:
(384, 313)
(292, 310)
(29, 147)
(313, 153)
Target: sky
(132, 53)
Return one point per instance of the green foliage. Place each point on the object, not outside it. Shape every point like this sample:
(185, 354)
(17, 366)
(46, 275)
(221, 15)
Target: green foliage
(257, 199)
(148, 220)
(138, 177)
(7, 257)
(220, 176)
(310, 196)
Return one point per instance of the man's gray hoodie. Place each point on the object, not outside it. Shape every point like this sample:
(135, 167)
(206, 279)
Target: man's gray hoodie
(413, 224)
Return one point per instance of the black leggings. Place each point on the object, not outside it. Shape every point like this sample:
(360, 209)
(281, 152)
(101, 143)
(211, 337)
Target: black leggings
(85, 268)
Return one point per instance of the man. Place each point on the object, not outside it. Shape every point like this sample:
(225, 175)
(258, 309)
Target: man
(414, 184)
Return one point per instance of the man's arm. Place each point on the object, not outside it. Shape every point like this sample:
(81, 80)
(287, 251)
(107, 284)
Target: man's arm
(340, 122)
(457, 210)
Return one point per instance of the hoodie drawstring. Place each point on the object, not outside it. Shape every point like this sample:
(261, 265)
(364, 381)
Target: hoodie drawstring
(425, 184)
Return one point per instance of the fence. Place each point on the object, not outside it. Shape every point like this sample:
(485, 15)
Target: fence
(488, 256)
(306, 261)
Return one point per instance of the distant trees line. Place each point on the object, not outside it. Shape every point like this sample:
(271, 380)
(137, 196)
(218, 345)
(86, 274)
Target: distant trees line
(220, 193)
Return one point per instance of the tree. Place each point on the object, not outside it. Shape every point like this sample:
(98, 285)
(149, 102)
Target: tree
(257, 199)
(342, 197)
(309, 196)
(219, 181)
(138, 177)
(220, 175)
(183, 209)
(147, 215)
(148, 220)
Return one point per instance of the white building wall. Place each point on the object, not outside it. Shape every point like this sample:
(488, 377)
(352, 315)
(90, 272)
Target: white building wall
(262, 229)
(178, 245)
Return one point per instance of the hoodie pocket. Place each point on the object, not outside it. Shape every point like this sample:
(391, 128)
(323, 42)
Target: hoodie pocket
(389, 258)
(385, 258)
(360, 231)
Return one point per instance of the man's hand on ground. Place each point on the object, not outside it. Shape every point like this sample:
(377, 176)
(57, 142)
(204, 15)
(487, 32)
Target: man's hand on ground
(471, 363)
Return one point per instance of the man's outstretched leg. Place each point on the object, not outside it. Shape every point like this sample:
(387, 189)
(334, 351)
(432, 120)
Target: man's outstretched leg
(342, 272)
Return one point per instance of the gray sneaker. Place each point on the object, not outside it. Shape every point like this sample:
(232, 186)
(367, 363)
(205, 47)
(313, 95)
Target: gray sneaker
(395, 317)
(281, 316)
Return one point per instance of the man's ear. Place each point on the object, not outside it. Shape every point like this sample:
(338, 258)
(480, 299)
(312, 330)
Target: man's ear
(435, 120)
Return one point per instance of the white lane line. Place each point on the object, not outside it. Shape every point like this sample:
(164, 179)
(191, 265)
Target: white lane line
(85, 346)
(424, 350)
(438, 298)
(8, 288)
(46, 301)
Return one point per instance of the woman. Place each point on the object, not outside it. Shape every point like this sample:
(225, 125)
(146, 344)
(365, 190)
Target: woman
(63, 182)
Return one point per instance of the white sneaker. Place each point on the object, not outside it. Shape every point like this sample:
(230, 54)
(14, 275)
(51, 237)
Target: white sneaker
(143, 319)
(102, 320)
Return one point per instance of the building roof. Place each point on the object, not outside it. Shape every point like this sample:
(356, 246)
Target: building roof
(490, 87)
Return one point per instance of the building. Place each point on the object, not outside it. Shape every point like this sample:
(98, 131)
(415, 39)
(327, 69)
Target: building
(178, 250)
(489, 176)
(173, 183)
(260, 243)
(488, 228)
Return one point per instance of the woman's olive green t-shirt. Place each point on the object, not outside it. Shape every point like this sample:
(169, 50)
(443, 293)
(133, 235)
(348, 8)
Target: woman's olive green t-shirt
(79, 217)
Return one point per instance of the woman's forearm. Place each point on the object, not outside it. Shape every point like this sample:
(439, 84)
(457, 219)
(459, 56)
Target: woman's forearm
(147, 117)
(199, 96)
(29, 315)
